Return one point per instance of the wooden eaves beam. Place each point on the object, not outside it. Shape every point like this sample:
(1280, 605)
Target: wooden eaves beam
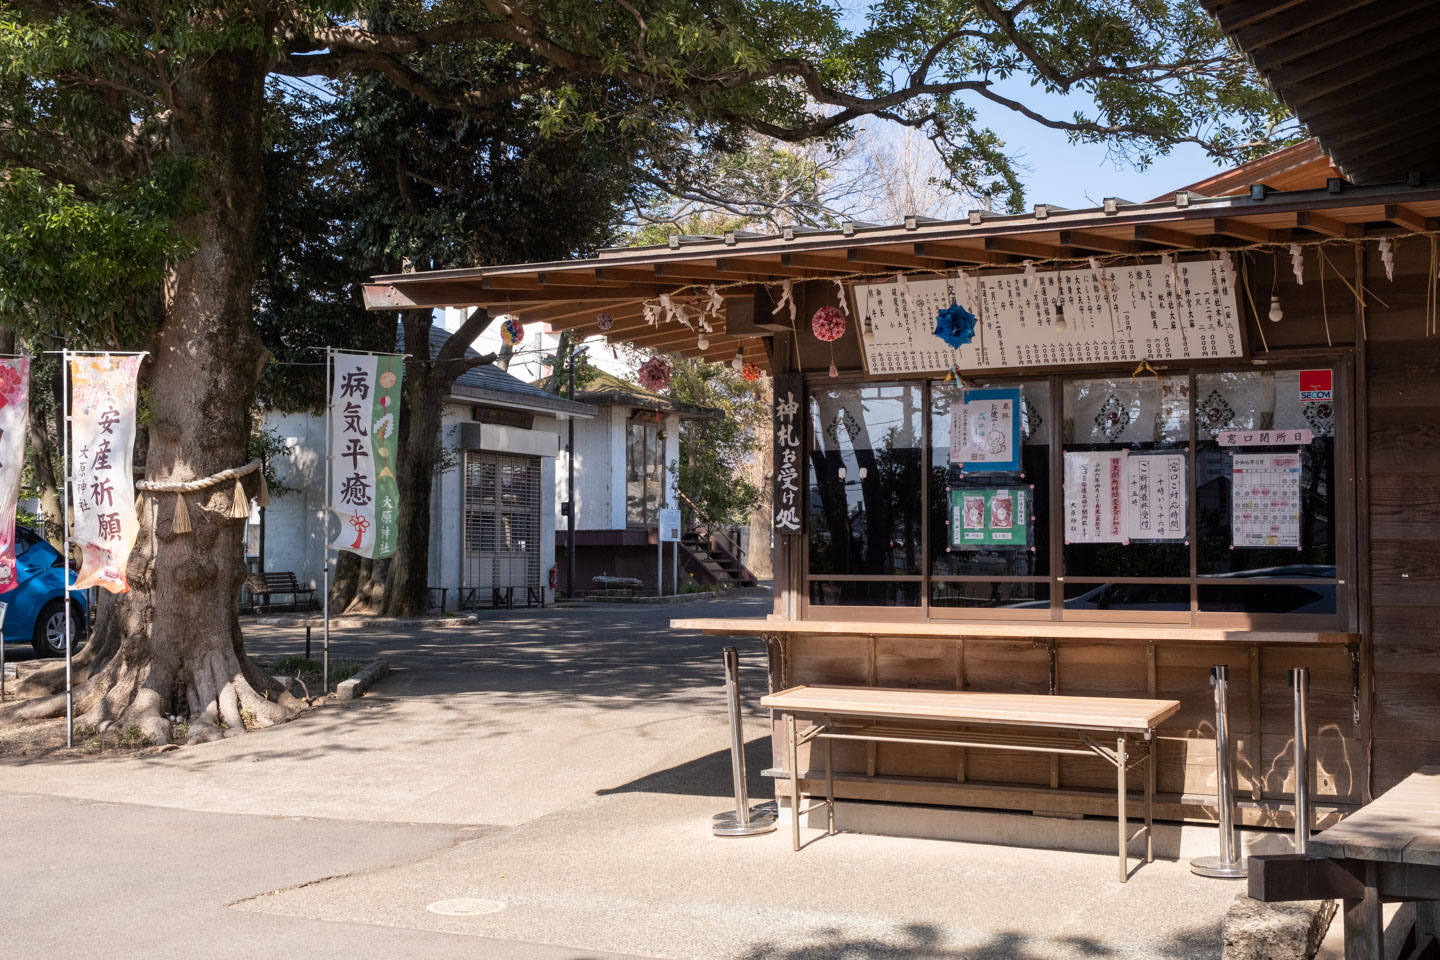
(1403, 216)
(957, 253)
(1329, 226)
(1241, 230)
(813, 262)
(580, 312)
(862, 256)
(1167, 237)
(1029, 249)
(1084, 240)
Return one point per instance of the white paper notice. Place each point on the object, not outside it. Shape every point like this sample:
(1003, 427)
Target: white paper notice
(984, 430)
(1094, 497)
(1157, 502)
(1265, 500)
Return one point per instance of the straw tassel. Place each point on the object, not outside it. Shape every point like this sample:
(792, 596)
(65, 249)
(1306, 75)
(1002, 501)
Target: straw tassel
(240, 507)
(180, 519)
(263, 500)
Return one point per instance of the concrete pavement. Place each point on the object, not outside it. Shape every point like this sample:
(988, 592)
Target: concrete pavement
(564, 763)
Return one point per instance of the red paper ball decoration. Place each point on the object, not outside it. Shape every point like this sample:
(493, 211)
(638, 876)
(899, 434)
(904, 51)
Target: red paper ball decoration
(750, 372)
(604, 321)
(655, 374)
(828, 324)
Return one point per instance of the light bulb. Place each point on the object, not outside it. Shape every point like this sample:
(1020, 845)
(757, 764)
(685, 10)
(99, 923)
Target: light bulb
(1276, 314)
(867, 331)
(739, 362)
(702, 344)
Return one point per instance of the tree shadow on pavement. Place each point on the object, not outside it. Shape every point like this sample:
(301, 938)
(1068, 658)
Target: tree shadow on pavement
(707, 776)
(927, 942)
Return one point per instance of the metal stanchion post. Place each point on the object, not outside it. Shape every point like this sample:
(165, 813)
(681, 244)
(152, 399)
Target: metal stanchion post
(1300, 680)
(1229, 864)
(307, 642)
(3, 608)
(744, 822)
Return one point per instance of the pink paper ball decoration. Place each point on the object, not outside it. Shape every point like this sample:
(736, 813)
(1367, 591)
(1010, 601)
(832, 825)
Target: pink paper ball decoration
(655, 374)
(604, 321)
(828, 324)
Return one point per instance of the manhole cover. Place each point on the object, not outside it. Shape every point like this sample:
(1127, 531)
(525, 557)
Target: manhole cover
(466, 907)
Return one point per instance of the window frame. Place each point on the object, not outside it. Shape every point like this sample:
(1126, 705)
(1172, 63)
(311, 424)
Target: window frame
(1343, 499)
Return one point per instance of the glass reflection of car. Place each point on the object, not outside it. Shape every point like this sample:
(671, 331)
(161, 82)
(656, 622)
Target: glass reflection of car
(35, 609)
(1218, 595)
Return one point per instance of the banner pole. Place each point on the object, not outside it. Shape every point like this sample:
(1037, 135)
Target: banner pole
(325, 524)
(65, 537)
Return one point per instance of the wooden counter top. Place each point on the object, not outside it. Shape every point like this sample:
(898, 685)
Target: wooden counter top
(1017, 629)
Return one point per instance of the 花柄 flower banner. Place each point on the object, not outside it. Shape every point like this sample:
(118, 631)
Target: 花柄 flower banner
(14, 423)
(364, 425)
(102, 486)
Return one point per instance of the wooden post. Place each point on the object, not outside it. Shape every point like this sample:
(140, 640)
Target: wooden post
(1364, 923)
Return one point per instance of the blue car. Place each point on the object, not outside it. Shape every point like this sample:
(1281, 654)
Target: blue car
(36, 608)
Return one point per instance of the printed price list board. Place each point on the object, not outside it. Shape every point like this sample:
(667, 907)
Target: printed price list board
(1057, 318)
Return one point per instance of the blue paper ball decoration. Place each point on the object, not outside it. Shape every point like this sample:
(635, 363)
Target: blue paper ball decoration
(955, 325)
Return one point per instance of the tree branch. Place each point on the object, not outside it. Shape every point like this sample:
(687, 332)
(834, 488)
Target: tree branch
(459, 341)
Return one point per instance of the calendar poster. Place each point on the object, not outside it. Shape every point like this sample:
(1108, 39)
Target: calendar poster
(985, 430)
(1265, 500)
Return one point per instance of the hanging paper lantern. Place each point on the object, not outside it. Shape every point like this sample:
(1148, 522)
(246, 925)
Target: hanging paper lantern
(750, 372)
(828, 324)
(604, 321)
(511, 332)
(955, 325)
(655, 374)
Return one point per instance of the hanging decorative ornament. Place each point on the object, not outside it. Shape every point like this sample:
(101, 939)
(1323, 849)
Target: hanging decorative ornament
(750, 372)
(739, 361)
(1030, 270)
(840, 296)
(956, 326)
(1297, 262)
(828, 324)
(655, 374)
(867, 326)
(1387, 257)
(511, 332)
(714, 303)
(604, 321)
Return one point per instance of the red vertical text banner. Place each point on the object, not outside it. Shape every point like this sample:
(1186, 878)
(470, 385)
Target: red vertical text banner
(14, 423)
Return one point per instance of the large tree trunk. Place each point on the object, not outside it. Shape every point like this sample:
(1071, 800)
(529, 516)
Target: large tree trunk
(405, 593)
(173, 642)
(43, 444)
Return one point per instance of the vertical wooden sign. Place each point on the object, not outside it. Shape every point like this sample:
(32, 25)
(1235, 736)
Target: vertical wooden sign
(789, 426)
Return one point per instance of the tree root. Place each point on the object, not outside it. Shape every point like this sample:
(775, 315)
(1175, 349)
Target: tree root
(225, 696)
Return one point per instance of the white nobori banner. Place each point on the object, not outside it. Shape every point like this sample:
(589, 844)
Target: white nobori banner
(102, 485)
(364, 424)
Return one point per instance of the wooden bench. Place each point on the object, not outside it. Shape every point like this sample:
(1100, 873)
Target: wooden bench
(1389, 850)
(1119, 731)
(268, 584)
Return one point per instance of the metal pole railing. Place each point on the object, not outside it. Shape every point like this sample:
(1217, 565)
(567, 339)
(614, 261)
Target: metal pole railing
(1300, 680)
(744, 822)
(1229, 864)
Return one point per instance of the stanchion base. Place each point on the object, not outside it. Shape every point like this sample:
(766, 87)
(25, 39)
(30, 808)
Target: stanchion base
(761, 821)
(1215, 867)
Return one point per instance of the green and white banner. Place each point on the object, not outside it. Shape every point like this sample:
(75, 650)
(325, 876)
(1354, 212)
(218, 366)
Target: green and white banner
(364, 427)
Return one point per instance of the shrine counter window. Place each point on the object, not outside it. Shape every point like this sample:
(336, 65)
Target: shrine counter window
(1267, 498)
(864, 498)
(989, 502)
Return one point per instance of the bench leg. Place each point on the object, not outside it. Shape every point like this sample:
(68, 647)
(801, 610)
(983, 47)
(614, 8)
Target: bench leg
(830, 784)
(1124, 823)
(1150, 801)
(794, 780)
(1364, 922)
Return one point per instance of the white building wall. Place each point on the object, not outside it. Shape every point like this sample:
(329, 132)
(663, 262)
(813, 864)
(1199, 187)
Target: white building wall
(672, 460)
(293, 525)
(293, 536)
(597, 481)
(615, 461)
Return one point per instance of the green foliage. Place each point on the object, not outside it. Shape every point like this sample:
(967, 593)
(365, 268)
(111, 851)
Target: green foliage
(268, 445)
(289, 666)
(714, 451)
